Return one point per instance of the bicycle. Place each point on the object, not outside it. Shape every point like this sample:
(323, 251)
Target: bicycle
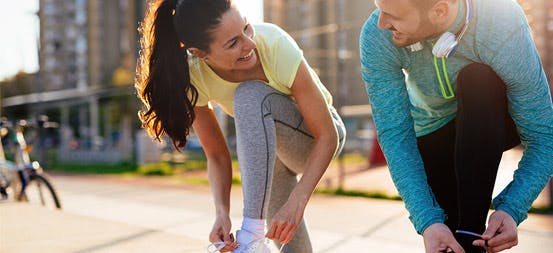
(23, 178)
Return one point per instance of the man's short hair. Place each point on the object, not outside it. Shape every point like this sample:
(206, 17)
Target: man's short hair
(426, 4)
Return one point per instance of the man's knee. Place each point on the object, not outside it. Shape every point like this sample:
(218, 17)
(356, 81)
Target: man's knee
(480, 82)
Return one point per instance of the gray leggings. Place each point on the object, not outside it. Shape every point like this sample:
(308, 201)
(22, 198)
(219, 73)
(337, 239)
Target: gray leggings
(273, 144)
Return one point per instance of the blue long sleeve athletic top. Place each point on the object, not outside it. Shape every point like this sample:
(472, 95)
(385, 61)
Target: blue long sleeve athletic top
(407, 102)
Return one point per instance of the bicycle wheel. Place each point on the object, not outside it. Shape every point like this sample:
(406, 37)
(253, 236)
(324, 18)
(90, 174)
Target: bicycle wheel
(40, 191)
(5, 181)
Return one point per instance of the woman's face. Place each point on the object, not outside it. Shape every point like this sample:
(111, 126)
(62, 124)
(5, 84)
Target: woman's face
(232, 47)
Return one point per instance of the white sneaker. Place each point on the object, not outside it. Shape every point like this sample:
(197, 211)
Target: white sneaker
(248, 244)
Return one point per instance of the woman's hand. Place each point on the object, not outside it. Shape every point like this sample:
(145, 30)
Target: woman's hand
(221, 233)
(501, 233)
(287, 221)
(438, 238)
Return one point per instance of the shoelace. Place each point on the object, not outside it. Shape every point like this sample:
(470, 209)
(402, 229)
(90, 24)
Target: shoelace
(473, 234)
(467, 233)
(215, 247)
(282, 247)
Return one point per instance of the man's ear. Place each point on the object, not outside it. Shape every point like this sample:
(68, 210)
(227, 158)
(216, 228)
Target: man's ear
(440, 11)
(197, 52)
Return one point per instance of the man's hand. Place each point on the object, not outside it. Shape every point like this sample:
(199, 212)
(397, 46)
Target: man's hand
(438, 238)
(501, 233)
(221, 233)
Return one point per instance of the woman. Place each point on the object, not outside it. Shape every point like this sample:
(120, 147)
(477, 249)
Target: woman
(200, 51)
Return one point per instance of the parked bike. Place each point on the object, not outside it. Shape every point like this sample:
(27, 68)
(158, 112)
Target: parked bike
(20, 178)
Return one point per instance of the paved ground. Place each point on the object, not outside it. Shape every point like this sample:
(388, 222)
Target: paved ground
(107, 214)
(378, 179)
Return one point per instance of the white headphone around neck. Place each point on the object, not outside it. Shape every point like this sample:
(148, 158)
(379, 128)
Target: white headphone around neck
(447, 43)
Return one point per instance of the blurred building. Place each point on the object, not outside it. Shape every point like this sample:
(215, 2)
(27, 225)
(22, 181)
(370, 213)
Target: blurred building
(328, 32)
(88, 50)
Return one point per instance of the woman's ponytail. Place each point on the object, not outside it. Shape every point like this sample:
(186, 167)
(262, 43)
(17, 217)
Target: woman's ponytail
(163, 79)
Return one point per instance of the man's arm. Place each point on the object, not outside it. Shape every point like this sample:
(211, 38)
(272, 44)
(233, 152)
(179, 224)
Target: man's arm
(384, 80)
(516, 61)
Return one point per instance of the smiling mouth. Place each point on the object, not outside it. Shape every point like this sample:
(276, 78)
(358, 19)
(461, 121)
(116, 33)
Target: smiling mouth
(247, 57)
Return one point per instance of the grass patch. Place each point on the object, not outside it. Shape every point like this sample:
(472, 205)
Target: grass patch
(190, 165)
(541, 210)
(352, 193)
(236, 181)
(205, 181)
(190, 161)
(379, 195)
(117, 168)
(351, 159)
(155, 169)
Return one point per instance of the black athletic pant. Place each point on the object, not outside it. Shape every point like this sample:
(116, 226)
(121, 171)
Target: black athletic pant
(461, 158)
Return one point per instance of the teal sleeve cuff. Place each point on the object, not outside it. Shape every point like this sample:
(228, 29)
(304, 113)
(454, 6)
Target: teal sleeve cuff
(517, 216)
(431, 217)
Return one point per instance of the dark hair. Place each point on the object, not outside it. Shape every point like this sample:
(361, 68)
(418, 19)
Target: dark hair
(163, 79)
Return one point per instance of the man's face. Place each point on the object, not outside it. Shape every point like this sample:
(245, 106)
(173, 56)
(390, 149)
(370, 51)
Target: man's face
(406, 21)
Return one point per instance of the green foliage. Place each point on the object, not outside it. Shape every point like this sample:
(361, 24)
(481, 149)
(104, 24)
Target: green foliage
(19, 84)
(542, 209)
(236, 181)
(190, 165)
(187, 161)
(205, 181)
(117, 168)
(155, 169)
(352, 158)
(351, 193)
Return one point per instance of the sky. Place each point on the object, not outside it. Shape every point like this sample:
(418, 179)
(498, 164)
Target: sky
(19, 29)
(252, 9)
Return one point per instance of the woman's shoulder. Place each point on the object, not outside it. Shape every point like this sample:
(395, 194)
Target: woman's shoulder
(196, 70)
(193, 64)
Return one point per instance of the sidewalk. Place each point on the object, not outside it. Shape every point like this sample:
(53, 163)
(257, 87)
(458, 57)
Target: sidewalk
(378, 179)
(108, 214)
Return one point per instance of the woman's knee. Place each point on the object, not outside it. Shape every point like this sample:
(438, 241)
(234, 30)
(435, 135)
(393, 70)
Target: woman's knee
(255, 94)
(250, 89)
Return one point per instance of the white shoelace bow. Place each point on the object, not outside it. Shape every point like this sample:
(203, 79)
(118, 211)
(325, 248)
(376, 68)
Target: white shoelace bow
(215, 247)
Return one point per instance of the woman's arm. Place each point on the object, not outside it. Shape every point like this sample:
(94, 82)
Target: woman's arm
(218, 158)
(317, 118)
(219, 171)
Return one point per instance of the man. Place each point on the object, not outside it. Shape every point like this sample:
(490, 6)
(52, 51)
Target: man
(444, 118)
